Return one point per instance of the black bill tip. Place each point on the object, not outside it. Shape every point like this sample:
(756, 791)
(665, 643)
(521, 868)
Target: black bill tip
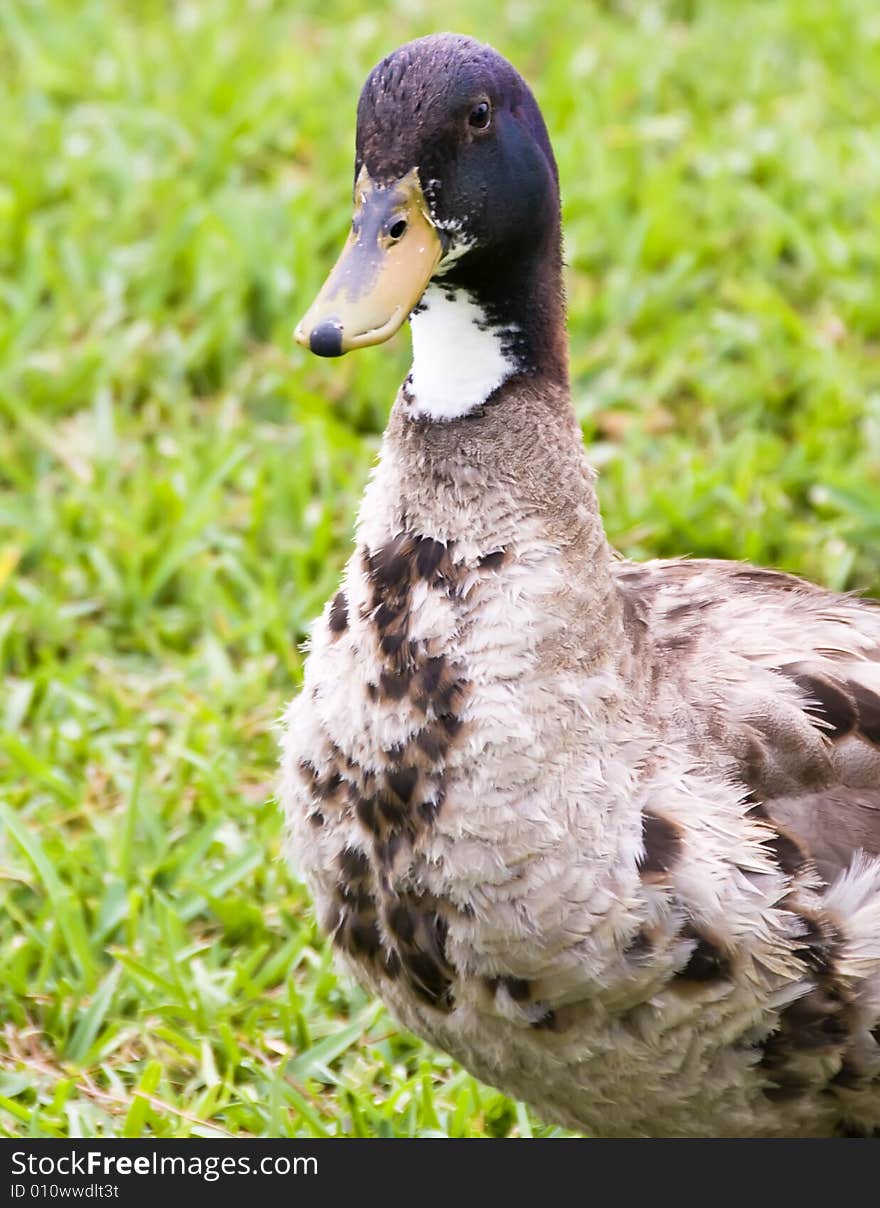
(326, 340)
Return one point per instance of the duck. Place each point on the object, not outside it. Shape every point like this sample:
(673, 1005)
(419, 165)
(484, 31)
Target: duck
(605, 832)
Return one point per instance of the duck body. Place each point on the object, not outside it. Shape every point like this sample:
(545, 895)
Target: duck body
(603, 831)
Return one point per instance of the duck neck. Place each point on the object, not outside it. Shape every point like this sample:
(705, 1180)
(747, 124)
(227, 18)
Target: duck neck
(481, 479)
(505, 486)
(493, 315)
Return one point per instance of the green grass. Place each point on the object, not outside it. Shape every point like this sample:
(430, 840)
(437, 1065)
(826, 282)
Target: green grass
(178, 481)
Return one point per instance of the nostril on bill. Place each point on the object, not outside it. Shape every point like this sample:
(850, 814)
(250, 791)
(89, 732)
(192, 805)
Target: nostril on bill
(397, 229)
(326, 339)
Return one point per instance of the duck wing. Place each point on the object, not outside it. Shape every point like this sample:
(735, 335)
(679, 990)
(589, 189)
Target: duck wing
(780, 680)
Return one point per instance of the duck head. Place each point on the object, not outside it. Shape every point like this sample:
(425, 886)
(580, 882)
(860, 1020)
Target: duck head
(456, 225)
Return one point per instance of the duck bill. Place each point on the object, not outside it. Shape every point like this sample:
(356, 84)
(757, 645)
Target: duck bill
(388, 260)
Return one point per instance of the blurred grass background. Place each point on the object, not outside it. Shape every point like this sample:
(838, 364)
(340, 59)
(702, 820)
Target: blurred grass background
(178, 481)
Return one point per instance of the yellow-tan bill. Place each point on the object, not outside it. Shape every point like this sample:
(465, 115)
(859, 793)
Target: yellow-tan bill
(388, 260)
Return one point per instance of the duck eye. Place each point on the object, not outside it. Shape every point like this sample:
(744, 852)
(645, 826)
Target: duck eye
(480, 116)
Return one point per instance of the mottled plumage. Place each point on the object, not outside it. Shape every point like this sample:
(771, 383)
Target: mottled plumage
(605, 832)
